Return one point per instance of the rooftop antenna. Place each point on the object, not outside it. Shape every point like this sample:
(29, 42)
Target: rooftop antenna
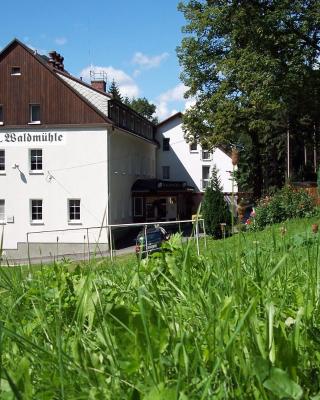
(98, 76)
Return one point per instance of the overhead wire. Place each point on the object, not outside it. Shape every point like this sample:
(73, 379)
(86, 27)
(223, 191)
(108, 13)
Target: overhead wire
(50, 177)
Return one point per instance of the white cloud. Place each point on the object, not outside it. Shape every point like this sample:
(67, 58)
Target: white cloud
(172, 101)
(60, 41)
(126, 84)
(147, 62)
(166, 102)
(36, 49)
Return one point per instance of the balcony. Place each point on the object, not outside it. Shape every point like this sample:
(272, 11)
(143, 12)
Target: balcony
(126, 118)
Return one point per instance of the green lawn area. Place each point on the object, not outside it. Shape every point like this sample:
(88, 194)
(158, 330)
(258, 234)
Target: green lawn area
(241, 321)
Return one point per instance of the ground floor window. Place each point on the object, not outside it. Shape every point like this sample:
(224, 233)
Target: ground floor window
(74, 210)
(36, 210)
(138, 206)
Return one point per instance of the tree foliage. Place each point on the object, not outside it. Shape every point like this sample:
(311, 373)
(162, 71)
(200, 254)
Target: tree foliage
(250, 66)
(142, 106)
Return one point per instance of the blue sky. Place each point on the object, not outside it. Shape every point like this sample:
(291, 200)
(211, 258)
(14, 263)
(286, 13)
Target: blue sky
(134, 41)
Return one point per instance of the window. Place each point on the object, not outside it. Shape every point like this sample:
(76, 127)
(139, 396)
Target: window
(193, 146)
(165, 172)
(138, 206)
(205, 155)
(205, 177)
(74, 210)
(34, 114)
(2, 210)
(1, 114)
(166, 144)
(36, 160)
(2, 161)
(16, 71)
(36, 210)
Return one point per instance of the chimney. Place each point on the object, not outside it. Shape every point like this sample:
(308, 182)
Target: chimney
(99, 85)
(56, 60)
(52, 57)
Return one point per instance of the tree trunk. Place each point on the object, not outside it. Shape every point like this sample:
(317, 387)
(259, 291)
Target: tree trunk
(256, 166)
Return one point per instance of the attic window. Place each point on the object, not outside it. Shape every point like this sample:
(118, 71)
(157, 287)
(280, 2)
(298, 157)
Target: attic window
(34, 110)
(15, 71)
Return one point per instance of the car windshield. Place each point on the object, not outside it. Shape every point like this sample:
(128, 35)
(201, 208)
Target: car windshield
(151, 237)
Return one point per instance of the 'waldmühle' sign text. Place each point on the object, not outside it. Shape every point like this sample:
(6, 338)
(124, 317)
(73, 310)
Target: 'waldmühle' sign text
(34, 138)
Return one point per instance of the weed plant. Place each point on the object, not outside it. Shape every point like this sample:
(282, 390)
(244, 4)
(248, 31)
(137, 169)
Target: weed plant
(239, 322)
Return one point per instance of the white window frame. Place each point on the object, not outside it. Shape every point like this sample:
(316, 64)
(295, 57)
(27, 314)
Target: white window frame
(3, 171)
(35, 171)
(36, 221)
(74, 221)
(209, 155)
(134, 206)
(193, 150)
(167, 169)
(17, 72)
(31, 120)
(164, 147)
(205, 181)
(3, 212)
(1, 115)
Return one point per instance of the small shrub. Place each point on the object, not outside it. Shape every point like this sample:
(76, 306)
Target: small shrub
(285, 204)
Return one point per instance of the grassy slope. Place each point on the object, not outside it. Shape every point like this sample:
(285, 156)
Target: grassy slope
(240, 321)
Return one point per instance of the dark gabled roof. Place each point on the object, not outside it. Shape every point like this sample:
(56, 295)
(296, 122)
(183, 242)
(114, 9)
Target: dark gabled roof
(56, 72)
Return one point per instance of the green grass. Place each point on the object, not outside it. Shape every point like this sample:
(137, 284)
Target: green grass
(239, 322)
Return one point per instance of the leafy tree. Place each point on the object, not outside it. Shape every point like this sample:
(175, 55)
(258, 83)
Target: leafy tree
(214, 208)
(246, 64)
(114, 90)
(142, 106)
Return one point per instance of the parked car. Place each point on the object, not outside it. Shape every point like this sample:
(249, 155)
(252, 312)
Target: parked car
(150, 241)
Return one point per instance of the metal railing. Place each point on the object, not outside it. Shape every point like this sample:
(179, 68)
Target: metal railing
(97, 241)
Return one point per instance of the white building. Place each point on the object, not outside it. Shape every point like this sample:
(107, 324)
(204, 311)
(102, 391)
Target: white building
(181, 161)
(72, 159)
(69, 155)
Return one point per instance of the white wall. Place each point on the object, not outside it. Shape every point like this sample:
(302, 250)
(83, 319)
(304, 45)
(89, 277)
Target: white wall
(186, 165)
(131, 158)
(68, 163)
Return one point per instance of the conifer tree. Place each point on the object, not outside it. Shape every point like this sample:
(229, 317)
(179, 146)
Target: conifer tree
(114, 90)
(214, 208)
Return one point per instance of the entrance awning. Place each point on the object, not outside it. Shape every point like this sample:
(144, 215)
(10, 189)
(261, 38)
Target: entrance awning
(158, 185)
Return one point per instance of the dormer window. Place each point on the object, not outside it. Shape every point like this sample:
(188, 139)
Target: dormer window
(15, 71)
(34, 110)
(1, 114)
